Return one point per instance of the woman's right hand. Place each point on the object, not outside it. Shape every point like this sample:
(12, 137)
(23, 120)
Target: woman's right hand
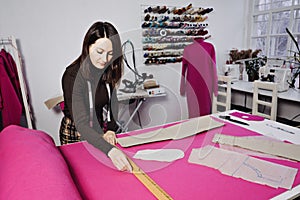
(119, 159)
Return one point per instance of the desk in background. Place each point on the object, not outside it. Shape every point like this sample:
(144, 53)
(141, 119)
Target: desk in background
(288, 101)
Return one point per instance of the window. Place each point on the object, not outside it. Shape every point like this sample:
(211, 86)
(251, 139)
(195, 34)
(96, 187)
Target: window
(270, 18)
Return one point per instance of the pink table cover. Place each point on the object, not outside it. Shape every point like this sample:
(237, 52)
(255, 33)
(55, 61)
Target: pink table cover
(97, 178)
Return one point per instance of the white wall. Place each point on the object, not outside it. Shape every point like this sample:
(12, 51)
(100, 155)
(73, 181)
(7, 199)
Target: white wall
(50, 34)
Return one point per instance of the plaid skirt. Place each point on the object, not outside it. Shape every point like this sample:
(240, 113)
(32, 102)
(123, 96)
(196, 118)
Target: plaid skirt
(67, 132)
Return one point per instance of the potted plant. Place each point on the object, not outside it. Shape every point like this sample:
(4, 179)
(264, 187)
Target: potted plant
(296, 60)
(252, 67)
(236, 57)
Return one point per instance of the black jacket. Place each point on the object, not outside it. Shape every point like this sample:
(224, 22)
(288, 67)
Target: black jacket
(77, 105)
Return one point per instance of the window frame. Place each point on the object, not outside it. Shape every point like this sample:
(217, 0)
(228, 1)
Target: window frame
(251, 18)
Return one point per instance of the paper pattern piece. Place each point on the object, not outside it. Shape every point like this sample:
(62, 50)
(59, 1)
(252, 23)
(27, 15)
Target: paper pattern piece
(250, 152)
(245, 167)
(182, 130)
(164, 155)
(282, 149)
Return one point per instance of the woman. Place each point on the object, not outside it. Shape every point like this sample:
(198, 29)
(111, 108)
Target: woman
(90, 101)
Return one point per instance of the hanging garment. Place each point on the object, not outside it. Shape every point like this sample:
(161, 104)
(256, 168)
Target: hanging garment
(199, 79)
(10, 104)
(12, 72)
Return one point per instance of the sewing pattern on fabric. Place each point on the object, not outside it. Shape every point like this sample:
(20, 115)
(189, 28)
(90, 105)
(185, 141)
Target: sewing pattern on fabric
(244, 167)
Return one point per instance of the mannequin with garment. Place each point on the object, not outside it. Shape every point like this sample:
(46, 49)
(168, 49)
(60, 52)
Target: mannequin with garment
(199, 81)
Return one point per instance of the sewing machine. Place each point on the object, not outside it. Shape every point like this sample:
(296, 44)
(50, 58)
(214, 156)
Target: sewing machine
(276, 75)
(232, 71)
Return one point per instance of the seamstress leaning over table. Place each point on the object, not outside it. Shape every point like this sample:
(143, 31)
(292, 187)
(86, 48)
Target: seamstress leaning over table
(90, 101)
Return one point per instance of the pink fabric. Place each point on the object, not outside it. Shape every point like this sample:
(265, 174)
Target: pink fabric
(97, 179)
(248, 117)
(32, 168)
(199, 77)
(62, 105)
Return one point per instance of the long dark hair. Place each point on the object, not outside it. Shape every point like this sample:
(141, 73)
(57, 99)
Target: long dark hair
(114, 70)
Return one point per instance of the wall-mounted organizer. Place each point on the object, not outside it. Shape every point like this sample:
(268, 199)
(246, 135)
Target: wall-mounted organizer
(168, 29)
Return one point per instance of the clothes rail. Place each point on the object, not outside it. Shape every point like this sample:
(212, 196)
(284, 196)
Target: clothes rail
(5, 41)
(10, 45)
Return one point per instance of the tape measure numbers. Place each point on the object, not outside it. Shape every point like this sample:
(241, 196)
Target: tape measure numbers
(149, 183)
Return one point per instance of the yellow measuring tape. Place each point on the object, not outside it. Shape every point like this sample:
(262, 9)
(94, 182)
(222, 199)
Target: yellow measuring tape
(149, 183)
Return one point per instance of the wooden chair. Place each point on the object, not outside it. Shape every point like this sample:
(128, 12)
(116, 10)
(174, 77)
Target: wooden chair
(223, 101)
(259, 86)
(55, 101)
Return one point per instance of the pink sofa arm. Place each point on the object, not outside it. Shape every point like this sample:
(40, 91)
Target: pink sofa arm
(32, 167)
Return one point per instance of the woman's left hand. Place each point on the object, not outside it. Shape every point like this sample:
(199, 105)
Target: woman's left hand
(110, 137)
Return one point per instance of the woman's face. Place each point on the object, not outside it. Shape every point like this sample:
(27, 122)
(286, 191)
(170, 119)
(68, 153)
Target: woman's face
(101, 52)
